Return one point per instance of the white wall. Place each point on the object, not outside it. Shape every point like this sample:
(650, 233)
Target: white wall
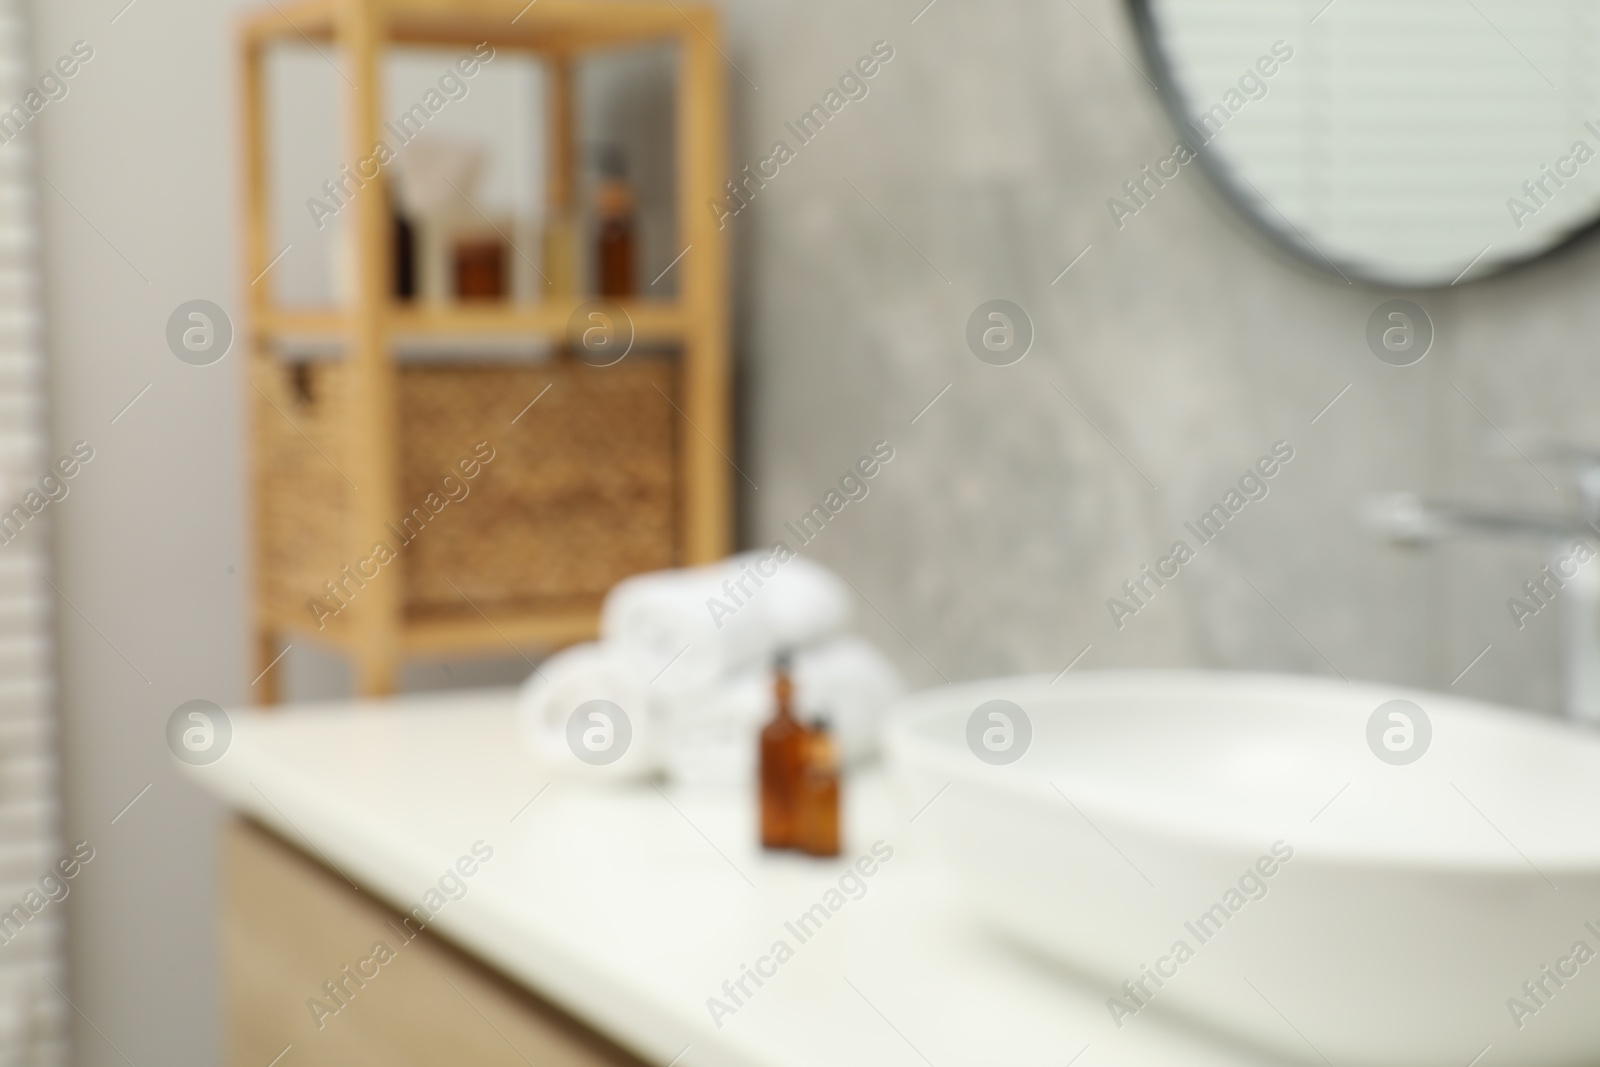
(34, 1020)
(148, 546)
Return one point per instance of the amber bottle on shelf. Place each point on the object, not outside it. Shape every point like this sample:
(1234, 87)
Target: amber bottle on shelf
(817, 794)
(782, 742)
(614, 240)
(405, 256)
(480, 269)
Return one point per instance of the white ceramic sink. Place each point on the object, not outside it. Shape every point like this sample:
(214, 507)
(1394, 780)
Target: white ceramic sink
(1417, 901)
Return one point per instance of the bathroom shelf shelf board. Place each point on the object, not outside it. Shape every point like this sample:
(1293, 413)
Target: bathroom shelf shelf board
(500, 632)
(503, 631)
(548, 25)
(353, 422)
(652, 320)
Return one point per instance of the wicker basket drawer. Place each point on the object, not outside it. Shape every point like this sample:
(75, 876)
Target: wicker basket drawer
(579, 492)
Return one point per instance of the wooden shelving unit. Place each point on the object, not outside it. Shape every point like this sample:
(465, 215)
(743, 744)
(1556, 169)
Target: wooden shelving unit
(378, 629)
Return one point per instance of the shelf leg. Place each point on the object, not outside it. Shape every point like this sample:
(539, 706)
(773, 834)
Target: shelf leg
(255, 299)
(560, 240)
(706, 476)
(267, 667)
(375, 676)
(371, 440)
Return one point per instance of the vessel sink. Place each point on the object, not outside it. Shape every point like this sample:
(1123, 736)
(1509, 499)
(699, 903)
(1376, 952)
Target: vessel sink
(1280, 860)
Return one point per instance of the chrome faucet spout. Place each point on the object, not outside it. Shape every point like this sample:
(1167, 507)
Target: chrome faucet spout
(1572, 577)
(1407, 519)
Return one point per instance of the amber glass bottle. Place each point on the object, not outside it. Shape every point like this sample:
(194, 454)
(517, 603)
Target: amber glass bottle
(781, 752)
(480, 266)
(614, 240)
(817, 798)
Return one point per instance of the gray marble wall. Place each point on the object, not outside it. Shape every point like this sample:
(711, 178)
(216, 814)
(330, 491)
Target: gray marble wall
(1173, 354)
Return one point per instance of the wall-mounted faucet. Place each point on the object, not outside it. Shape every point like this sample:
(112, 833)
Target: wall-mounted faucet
(1406, 519)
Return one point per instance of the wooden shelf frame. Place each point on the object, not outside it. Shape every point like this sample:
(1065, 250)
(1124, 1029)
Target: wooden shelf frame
(376, 632)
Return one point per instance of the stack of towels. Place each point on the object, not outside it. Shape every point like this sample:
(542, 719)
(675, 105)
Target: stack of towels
(688, 657)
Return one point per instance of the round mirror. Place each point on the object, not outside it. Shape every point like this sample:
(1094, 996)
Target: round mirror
(1415, 143)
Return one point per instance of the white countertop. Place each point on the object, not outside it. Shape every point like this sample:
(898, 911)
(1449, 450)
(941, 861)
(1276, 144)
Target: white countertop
(630, 906)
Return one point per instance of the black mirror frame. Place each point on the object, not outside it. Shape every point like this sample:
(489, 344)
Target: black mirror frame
(1290, 240)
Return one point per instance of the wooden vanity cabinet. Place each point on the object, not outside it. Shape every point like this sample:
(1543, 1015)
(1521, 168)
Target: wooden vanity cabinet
(290, 925)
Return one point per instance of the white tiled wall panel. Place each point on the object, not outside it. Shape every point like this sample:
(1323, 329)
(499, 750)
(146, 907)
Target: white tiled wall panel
(33, 1016)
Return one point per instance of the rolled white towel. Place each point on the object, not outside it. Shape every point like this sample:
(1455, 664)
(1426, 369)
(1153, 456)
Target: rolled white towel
(586, 713)
(697, 626)
(710, 736)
